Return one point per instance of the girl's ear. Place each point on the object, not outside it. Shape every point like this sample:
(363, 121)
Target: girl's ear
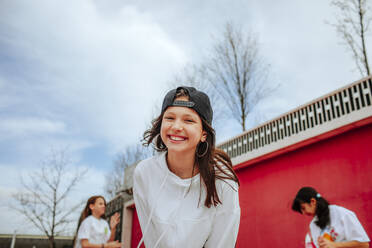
(313, 201)
(204, 136)
(91, 206)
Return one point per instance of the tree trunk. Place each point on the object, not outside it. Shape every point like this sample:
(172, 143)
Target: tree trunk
(51, 242)
(365, 58)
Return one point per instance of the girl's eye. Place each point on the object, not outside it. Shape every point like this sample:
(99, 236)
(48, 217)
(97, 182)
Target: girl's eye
(189, 120)
(168, 118)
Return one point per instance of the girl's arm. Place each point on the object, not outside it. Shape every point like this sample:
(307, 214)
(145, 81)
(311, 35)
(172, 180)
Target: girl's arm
(85, 244)
(225, 225)
(324, 243)
(114, 221)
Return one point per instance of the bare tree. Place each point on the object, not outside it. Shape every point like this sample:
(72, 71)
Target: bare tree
(44, 200)
(238, 72)
(352, 25)
(114, 179)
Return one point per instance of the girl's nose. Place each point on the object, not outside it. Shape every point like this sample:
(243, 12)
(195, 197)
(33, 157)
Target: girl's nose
(177, 126)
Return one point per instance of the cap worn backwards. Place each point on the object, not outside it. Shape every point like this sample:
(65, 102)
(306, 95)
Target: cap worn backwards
(198, 100)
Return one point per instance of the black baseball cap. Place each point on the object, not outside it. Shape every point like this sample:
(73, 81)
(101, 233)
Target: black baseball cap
(198, 101)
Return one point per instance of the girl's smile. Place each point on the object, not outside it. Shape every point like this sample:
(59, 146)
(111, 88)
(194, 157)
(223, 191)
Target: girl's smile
(176, 138)
(181, 129)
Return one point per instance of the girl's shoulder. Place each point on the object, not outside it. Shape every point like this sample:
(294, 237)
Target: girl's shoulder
(228, 193)
(92, 221)
(225, 177)
(148, 163)
(89, 218)
(150, 166)
(87, 221)
(225, 184)
(335, 209)
(342, 216)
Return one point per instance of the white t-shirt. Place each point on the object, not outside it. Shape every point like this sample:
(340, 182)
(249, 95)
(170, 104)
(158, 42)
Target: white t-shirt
(343, 226)
(179, 217)
(308, 241)
(96, 231)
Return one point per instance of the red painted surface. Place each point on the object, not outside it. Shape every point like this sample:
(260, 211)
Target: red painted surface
(339, 167)
(306, 142)
(136, 231)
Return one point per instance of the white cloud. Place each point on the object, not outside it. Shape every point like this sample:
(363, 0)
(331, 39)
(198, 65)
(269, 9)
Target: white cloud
(95, 72)
(29, 126)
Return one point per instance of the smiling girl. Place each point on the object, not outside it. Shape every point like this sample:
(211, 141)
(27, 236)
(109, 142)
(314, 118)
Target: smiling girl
(332, 225)
(187, 194)
(93, 230)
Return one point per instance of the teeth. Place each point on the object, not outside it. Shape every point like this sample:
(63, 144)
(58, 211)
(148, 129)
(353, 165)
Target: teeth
(176, 138)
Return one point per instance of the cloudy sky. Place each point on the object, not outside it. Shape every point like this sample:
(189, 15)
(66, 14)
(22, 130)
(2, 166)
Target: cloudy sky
(87, 74)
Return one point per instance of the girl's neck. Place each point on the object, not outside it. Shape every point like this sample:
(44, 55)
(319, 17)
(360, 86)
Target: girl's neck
(95, 215)
(182, 164)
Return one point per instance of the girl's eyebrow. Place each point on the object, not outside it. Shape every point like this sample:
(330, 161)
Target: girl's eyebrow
(183, 115)
(188, 115)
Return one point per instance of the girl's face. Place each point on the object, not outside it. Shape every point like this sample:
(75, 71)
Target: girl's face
(181, 129)
(98, 208)
(309, 208)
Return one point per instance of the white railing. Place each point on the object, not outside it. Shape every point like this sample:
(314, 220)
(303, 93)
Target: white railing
(323, 111)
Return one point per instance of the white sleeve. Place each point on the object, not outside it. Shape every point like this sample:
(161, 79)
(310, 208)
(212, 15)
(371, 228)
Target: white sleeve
(84, 230)
(226, 222)
(354, 231)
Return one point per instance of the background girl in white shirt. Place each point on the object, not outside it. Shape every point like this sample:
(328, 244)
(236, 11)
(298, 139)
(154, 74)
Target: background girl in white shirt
(187, 195)
(93, 230)
(332, 225)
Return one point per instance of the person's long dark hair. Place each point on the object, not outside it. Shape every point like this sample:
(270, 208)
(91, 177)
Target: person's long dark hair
(305, 195)
(87, 211)
(215, 164)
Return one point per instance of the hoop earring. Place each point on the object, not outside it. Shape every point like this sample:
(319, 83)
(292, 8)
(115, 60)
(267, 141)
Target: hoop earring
(205, 152)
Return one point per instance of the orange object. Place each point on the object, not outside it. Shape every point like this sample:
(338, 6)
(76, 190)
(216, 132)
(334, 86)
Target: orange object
(327, 236)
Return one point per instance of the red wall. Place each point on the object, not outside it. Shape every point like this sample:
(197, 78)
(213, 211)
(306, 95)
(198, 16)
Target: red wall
(136, 231)
(340, 168)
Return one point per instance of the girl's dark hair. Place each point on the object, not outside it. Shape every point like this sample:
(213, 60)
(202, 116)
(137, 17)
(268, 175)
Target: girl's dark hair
(87, 211)
(305, 195)
(215, 164)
